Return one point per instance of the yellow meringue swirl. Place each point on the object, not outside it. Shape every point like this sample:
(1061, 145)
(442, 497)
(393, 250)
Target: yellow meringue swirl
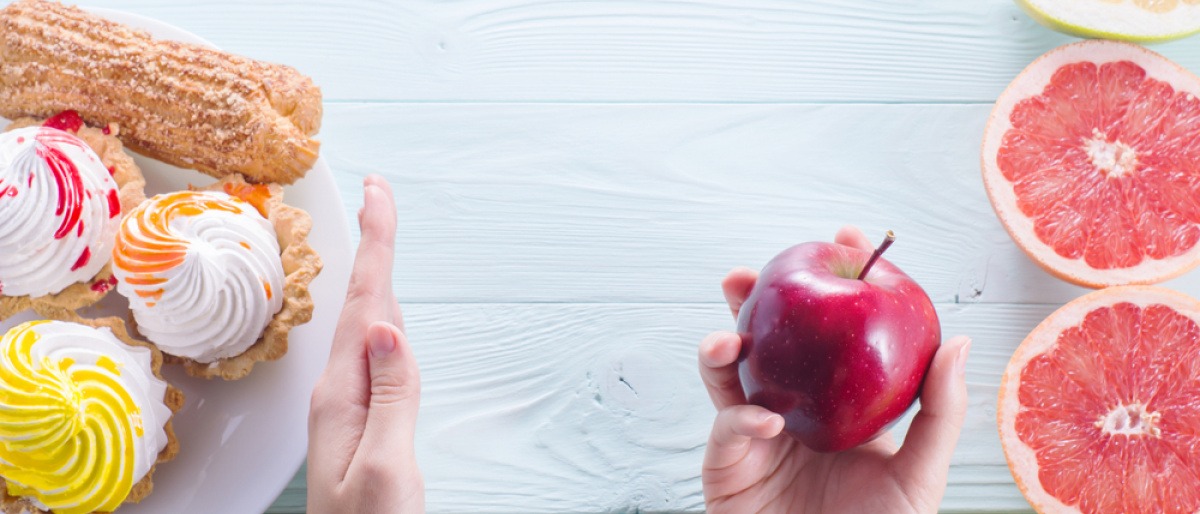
(69, 425)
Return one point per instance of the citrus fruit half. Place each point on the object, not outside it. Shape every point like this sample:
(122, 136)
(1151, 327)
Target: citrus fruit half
(1145, 21)
(1091, 159)
(1099, 407)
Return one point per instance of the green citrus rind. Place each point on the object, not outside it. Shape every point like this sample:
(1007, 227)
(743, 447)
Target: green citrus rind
(1094, 33)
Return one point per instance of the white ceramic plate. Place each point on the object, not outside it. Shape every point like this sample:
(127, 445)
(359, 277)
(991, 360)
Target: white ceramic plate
(241, 442)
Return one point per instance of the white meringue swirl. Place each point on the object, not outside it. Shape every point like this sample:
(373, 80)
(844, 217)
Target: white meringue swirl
(59, 211)
(202, 272)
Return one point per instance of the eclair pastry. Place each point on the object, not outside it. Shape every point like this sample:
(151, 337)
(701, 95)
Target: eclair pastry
(183, 104)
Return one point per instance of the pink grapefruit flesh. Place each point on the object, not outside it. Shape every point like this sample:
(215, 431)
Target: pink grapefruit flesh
(1091, 159)
(1099, 408)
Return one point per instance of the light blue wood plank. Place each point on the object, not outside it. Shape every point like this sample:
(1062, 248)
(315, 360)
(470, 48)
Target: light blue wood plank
(654, 203)
(635, 50)
(293, 499)
(590, 408)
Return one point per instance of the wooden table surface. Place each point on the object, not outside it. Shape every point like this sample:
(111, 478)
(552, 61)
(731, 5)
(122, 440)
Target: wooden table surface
(576, 176)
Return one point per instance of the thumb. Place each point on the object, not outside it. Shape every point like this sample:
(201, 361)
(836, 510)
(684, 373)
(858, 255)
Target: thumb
(395, 394)
(925, 456)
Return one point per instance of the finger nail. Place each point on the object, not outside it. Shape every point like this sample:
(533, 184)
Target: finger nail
(767, 417)
(380, 340)
(960, 360)
(368, 188)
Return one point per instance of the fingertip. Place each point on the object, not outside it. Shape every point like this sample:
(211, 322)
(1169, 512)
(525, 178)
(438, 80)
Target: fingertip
(945, 392)
(772, 425)
(737, 286)
(952, 356)
(741, 272)
(737, 424)
(375, 179)
(372, 194)
(382, 339)
(850, 235)
(958, 341)
(758, 422)
(378, 216)
(960, 355)
(720, 349)
(392, 368)
(934, 433)
(739, 278)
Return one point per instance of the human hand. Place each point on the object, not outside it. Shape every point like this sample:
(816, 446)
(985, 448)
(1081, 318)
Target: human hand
(750, 466)
(364, 406)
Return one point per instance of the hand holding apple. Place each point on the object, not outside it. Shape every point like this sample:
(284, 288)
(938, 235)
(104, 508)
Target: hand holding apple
(749, 468)
(836, 340)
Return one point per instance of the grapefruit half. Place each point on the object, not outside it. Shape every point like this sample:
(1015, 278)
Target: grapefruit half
(1099, 408)
(1145, 21)
(1091, 159)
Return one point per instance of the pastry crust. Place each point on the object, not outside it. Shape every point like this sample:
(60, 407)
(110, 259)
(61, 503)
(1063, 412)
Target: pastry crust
(182, 104)
(173, 399)
(132, 192)
(301, 264)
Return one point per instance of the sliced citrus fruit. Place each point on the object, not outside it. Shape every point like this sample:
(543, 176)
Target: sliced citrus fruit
(1145, 21)
(1091, 159)
(1099, 408)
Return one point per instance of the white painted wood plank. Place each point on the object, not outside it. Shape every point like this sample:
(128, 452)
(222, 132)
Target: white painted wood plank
(655, 203)
(635, 50)
(599, 408)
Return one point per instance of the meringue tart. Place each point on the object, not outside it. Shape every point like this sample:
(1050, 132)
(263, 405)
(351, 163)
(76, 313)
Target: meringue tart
(85, 417)
(216, 278)
(64, 187)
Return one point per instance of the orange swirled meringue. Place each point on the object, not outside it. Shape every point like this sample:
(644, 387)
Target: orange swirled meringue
(59, 211)
(82, 416)
(202, 273)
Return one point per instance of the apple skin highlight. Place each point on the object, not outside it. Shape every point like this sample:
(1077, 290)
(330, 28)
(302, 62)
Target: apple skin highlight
(841, 359)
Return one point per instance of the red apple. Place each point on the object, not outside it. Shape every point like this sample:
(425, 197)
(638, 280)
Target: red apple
(840, 357)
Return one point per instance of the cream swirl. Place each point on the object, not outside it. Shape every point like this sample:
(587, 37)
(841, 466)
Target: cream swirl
(202, 273)
(82, 415)
(59, 211)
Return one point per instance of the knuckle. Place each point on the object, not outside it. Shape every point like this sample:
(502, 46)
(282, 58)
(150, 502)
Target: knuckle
(319, 395)
(372, 472)
(365, 288)
(388, 389)
(377, 470)
(377, 232)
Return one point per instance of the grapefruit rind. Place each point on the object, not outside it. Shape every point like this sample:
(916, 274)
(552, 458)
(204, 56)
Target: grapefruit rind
(1031, 83)
(1021, 458)
(1107, 20)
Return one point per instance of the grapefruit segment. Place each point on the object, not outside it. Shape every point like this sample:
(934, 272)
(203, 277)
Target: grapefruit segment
(1091, 159)
(1099, 408)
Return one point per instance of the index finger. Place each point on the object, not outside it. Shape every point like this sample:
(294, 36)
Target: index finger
(370, 289)
(737, 286)
(719, 370)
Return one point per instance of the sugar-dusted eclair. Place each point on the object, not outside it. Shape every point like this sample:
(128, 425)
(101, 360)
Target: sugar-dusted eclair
(183, 104)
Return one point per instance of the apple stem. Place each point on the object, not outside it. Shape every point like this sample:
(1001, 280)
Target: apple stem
(887, 241)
